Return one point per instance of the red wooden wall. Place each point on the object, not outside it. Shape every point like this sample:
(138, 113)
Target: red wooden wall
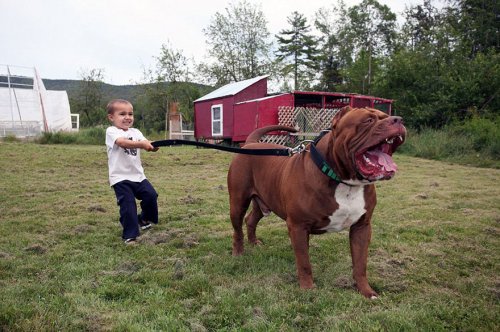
(258, 113)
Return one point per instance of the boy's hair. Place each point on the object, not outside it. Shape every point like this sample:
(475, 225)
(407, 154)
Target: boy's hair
(110, 108)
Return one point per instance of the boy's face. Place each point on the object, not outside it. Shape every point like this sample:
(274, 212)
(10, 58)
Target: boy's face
(122, 117)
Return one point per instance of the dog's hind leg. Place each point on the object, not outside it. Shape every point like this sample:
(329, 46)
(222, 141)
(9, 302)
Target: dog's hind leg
(252, 219)
(238, 205)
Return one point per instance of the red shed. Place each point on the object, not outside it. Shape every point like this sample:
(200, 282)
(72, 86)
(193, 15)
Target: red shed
(233, 111)
(214, 112)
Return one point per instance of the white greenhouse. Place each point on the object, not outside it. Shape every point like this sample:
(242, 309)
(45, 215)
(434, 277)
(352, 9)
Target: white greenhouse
(27, 109)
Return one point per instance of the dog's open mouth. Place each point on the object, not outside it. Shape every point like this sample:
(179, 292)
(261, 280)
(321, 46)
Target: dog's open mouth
(375, 163)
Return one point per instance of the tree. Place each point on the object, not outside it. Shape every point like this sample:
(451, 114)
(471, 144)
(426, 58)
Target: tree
(88, 101)
(438, 74)
(421, 23)
(297, 51)
(168, 82)
(238, 44)
(172, 65)
(333, 50)
(477, 24)
(371, 29)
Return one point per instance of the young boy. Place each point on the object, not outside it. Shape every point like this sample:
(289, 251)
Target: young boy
(126, 174)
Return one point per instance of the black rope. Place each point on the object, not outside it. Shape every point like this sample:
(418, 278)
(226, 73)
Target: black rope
(315, 155)
(256, 152)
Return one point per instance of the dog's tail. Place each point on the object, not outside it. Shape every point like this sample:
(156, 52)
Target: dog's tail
(256, 135)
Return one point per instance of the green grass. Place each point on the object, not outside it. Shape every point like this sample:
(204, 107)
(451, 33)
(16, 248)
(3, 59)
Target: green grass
(434, 256)
(475, 142)
(85, 136)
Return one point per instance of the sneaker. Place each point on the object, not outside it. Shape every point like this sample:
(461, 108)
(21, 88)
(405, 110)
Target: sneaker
(131, 241)
(144, 224)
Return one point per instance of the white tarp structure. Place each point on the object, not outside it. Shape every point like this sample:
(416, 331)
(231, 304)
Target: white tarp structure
(26, 107)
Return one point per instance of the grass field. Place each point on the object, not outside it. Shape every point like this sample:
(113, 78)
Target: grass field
(434, 256)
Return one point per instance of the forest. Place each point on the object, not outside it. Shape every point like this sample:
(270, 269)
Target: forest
(439, 62)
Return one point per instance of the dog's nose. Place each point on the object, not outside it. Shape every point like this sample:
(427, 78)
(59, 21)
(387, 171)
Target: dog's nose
(396, 120)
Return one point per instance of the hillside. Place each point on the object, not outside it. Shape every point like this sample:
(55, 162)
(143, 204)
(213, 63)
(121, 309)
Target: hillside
(129, 92)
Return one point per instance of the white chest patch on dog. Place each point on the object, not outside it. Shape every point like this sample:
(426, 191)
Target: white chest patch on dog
(351, 202)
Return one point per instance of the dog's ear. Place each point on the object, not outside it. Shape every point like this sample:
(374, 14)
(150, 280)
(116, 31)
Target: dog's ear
(339, 115)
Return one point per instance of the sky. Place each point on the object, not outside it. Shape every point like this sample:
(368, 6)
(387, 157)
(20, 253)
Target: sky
(65, 38)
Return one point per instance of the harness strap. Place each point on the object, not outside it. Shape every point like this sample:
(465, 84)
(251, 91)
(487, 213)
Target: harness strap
(257, 152)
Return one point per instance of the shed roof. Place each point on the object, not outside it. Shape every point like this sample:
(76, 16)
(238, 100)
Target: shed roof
(231, 89)
(262, 98)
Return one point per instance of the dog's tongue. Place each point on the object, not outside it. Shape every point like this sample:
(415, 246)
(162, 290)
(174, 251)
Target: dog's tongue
(383, 159)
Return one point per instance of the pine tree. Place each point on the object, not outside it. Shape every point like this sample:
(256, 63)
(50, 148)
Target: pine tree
(299, 48)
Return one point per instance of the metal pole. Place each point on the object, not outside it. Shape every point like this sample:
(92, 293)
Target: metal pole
(10, 96)
(166, 119)
(38, 79)
(15, 98)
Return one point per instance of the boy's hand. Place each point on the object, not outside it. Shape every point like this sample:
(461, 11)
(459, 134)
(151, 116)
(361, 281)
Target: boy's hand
(126, 143)
(146, 145)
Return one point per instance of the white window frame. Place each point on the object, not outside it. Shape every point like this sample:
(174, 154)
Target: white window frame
(221, 119)
(75, 121)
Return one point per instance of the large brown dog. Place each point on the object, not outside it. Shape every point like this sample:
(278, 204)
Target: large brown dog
(358, 148)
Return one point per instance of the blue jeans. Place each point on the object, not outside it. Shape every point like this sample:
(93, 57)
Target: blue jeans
(126, 193)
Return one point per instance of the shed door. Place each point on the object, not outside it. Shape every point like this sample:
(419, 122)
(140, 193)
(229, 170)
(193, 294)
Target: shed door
(217, 120)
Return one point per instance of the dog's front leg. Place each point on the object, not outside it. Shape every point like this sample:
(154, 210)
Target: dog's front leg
(300, 243)
(360, 236)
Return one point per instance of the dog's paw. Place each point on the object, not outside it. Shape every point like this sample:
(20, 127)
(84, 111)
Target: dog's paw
(237, 252)
(372, 295)
(369, 293)
(256, 242)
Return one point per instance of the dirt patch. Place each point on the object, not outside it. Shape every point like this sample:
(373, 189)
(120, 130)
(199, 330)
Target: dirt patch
(391, 267)
(97, 323)
(82, 229)
(197, 326)
(156, 238)
(395, 287)
(190, 200)
(5, 255)
(126, 268)
(206, 309)
(258, 312)
(495, 290)
(189, 303)
(96, 208)
(36, 249)
(190, 241)
(178, 269)
(492, 231)
(392, 270)
(422, 196)
(467, 211)
(344, 283)
(396, 262)
(129, 267)
(185, 240)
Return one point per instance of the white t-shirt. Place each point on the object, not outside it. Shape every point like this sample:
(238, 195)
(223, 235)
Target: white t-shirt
(124, 164)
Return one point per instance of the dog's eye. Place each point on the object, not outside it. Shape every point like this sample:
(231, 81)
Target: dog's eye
(368, 120)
